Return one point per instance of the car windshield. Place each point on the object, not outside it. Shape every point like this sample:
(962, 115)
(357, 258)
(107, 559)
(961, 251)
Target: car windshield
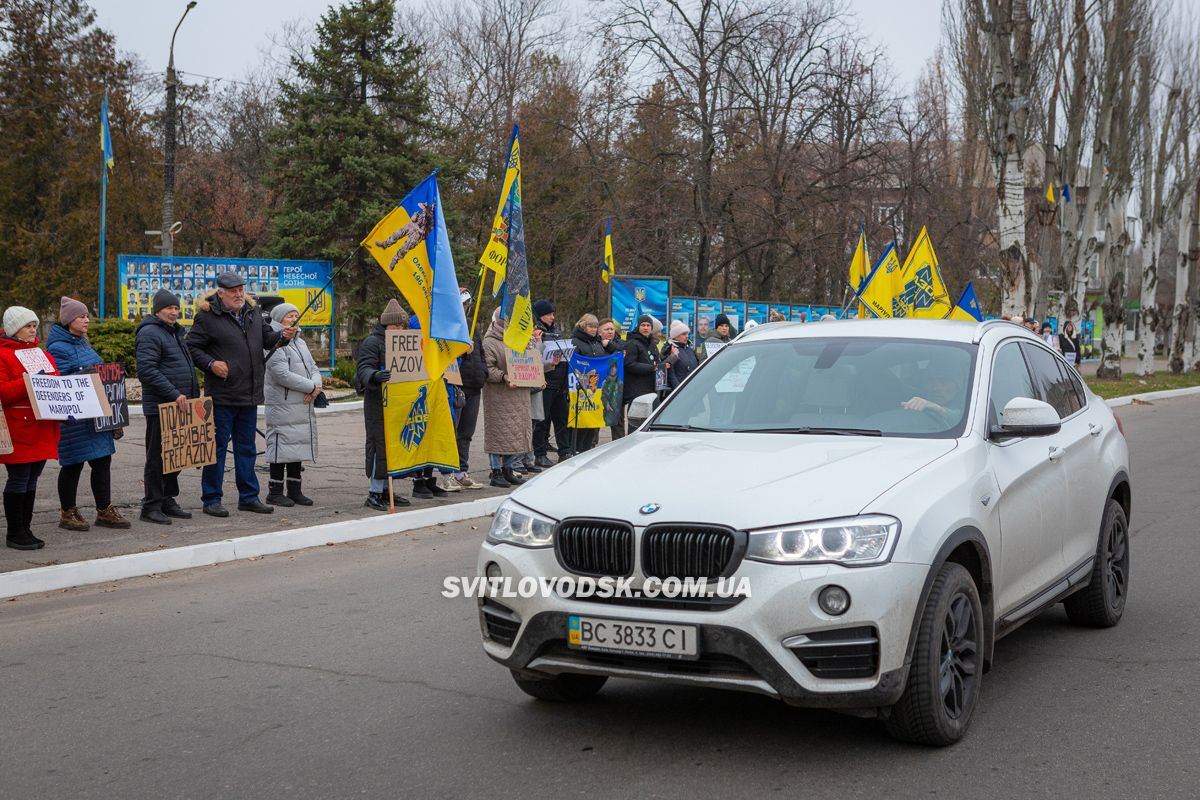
(847, 386)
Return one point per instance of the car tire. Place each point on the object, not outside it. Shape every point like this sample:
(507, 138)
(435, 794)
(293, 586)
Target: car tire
(1102, 602)
(947, 665)
(564, 688)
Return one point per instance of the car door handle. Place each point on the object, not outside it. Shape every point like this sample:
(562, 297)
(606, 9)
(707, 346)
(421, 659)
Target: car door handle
(1055, 453)
(1094, 429)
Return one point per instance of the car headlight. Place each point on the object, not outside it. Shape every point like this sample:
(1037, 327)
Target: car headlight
(852, 541)
(516, 524)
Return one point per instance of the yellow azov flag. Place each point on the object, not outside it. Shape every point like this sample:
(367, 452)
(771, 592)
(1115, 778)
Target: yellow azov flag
(495, 255)
(923, 293)
(860, 267)
(882, 285)
(418, 426)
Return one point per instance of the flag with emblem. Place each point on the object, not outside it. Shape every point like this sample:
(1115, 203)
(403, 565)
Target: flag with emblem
(881, 285)
(495, 255)
(590, 383)
(418, 426)
(413, 247)
(860, 263)
(923, 293)
(607, 271)
(967, 308)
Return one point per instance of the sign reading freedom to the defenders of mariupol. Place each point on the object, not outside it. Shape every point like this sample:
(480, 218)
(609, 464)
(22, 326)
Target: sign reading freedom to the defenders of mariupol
(188, 434)
(404, 357)
(64, 397)
(525, 369)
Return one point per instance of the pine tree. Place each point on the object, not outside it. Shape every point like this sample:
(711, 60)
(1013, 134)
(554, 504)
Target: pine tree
(348, 148)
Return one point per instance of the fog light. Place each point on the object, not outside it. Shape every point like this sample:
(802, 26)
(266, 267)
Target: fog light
(834, 600)
(492, 570)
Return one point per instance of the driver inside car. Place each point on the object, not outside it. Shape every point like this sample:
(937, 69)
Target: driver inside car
(941, 396)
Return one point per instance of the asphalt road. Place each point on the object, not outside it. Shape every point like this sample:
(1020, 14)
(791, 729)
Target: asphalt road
(341, 672)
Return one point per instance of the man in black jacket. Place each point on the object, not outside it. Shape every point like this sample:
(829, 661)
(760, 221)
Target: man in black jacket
(641, 361)
(168, 375)
(226, 341)
(474, 375)
(554, 397)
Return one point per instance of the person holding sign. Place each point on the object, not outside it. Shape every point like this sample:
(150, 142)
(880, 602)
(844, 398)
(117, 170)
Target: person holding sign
(79, 442)
(226, 341)
(1068, 344)
(586, 339)
(34, 441)
(641, 361)
(168, 375)
(507, 424)
(293, 383)
(370, 379)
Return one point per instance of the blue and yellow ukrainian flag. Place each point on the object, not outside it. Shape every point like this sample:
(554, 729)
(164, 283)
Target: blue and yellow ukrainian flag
(105, 134)
(607, 271)
(413, 247)
(967, 308)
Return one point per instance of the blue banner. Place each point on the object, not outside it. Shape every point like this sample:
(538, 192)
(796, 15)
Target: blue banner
(800, 314)
(783, 310)
(684, 310)
(631, 296)
(707, 309)
(816, 313)
(757, 312)
(736, 311)
(192, 277)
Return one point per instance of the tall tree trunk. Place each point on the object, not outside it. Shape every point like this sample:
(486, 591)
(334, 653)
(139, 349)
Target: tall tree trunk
(1151, 242)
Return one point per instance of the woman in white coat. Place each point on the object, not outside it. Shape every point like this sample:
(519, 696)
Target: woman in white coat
(291, 385)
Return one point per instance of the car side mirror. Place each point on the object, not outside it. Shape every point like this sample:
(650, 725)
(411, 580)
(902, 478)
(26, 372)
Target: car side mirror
(1024, 416)
(640, 409)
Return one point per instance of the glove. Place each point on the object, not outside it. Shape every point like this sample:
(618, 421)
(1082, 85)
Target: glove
(381, 376)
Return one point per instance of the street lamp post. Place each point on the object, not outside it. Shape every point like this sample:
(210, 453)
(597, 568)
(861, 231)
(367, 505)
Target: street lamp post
(169, 145)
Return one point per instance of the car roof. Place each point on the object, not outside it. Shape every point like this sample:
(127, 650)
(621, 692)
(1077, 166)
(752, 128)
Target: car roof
(944, 329)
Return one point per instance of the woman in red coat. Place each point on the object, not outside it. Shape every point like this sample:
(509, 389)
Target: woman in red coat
(33, 441)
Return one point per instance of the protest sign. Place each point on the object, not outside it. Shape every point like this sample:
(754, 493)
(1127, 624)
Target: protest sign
(525, 369)
(563, 347)
(34, 360)
(712, 348)
(6, 445)
(453, 374)
(112, 377)
(404, 356)
(594, 390)
(65, 397)
(188, 434)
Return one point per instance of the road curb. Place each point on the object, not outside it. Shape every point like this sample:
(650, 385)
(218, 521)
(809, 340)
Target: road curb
(134, 565)
(1128, 399)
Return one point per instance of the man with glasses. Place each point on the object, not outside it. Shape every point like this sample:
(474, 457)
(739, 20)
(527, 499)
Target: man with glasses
(226, 342)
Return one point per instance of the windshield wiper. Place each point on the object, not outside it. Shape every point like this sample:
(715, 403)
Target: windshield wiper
(816, 431)
(668, 426)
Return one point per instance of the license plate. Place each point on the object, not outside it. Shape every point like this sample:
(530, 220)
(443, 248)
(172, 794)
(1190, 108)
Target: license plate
(640, 638)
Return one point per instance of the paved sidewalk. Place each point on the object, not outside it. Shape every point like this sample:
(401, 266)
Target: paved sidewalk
(336, 483)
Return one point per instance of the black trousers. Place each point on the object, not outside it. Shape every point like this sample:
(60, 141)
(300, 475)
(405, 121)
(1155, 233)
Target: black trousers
(23, 478)
(468, 418)
(556, 403)
(158, 486)
(101, 478)
(289, 468)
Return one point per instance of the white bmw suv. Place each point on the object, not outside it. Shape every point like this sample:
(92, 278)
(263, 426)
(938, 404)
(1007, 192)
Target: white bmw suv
(887, 498)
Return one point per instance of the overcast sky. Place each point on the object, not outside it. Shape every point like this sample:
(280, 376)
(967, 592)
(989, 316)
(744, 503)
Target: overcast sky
(224, 38)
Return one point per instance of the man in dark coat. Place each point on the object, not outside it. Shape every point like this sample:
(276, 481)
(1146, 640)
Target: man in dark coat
(554, 397)
(370, 379)
(473, 370)
(226, 342)
(641, 361)
(168, 375)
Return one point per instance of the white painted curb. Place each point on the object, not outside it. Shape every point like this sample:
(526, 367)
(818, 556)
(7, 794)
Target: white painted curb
(1163, 395)
(332, 408)
(103, 570)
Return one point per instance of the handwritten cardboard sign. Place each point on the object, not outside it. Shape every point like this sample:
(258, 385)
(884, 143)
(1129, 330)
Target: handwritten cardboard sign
(65, 397)
(189, 435)
(112, 378)
(453, 373)
(6, 445)
(404, 356)
(525, 369)
(34, 360)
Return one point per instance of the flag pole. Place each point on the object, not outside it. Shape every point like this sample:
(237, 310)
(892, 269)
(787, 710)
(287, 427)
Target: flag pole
(478, 301)
(314, 299)
(103, 219)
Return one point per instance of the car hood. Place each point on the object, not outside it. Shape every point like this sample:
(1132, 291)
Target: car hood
(744, 480)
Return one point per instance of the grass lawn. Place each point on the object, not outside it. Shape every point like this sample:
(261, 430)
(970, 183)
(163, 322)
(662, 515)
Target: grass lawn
(1132, 384)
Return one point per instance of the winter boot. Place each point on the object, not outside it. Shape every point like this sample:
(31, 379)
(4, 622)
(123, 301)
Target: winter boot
(512, 477)
(30, 499)
(14, 515)
(497, 479)
(111, 518)
(294, 493)
(421, 489)
(434, 489)
(276, 497)
(71, 520)
(377, 501)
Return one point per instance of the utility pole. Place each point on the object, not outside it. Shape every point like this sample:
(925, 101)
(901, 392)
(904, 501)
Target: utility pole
(168, 248)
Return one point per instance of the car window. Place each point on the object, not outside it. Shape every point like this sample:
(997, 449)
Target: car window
(1077, 382)
(1051, 384)
(1010, 379)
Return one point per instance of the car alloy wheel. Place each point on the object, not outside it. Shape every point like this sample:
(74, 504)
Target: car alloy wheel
(960, 650)
(1101, 603)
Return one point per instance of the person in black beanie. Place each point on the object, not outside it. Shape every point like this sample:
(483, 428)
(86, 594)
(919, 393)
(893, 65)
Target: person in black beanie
(168, 375)
(721, 332)
(554, 396)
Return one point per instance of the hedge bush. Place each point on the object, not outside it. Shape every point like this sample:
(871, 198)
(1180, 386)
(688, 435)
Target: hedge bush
(113, 339)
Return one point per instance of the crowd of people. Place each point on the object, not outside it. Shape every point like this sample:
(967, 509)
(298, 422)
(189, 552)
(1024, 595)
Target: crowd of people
(250, 358)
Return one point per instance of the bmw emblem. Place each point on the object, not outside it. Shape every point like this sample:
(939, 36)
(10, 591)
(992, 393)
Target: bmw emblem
(649, 508)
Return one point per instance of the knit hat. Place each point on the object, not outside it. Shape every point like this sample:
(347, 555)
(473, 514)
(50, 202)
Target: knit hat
(17, 317)
(678, 328)
(163, 298)
(721, 320)
(393, 314)
(69, 310)
(282, 310)
(645, 318)
(543, 307)
(655, 325)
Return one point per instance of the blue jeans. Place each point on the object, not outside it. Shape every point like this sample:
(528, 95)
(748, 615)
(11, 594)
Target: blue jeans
(238, 422)
(504, 461)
